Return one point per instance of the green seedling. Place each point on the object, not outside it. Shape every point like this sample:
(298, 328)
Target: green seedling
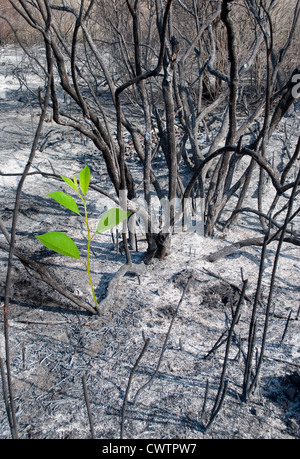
(61, 242)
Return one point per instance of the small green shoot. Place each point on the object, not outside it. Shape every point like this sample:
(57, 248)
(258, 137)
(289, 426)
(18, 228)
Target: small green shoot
(61, 242)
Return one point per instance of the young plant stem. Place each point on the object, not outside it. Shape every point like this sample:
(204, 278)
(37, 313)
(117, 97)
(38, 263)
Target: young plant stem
(87, 264)
(62, 243)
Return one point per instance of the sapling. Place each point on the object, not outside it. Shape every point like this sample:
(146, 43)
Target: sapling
(61, 242)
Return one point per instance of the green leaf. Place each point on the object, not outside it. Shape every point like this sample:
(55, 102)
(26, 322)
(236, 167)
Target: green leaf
(84, 179)
(111, 218)
(65, 200)
(60, 243)
(70, 183)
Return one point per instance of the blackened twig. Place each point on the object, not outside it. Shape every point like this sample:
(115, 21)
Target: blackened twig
(204, 401)
(217, 344)
(252, 327)
(273, 276)
(286, 326)
(88, 406)
(165, 342)
(223, 384)
(133, 370)
(11, 254)
(219, 405)
(5, 394)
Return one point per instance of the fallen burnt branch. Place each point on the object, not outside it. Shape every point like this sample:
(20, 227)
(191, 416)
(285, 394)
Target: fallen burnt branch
(258, 241)
(128, 268)
(39, 272)
(252, 241)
